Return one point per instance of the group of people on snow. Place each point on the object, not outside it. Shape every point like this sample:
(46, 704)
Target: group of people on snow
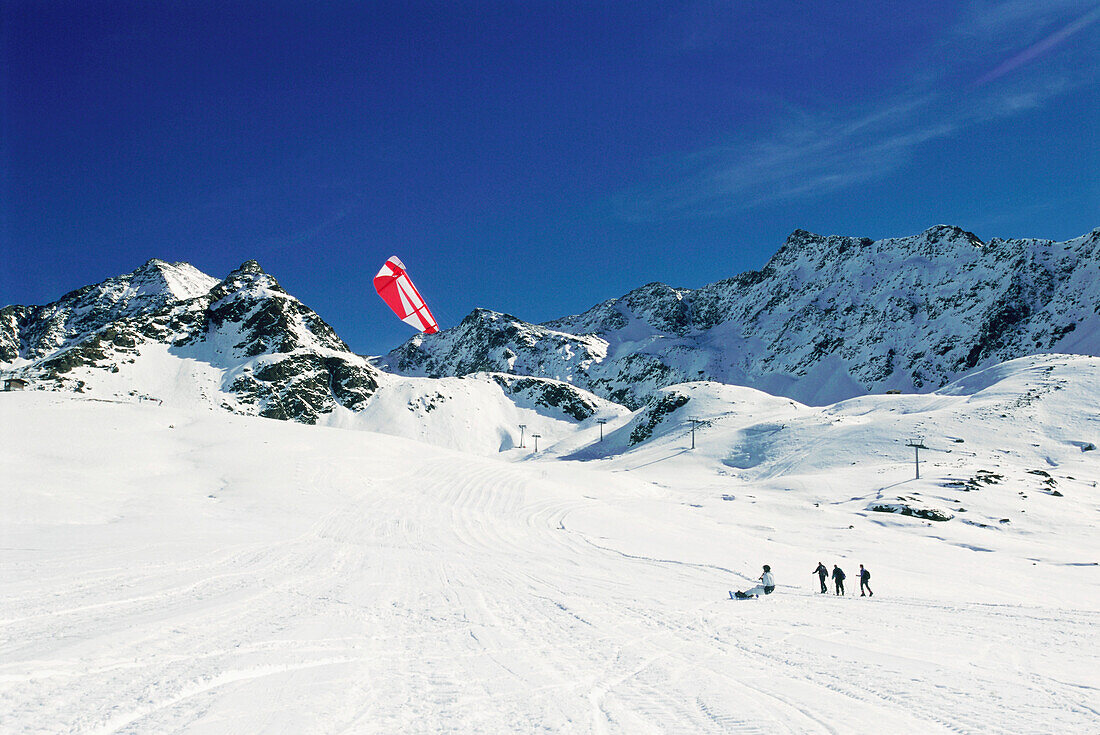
(838, 575)
(767, 582)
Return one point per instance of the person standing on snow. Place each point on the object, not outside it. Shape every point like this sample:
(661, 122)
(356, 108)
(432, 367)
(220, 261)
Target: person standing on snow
(838, 579)
(865, 582)
(822, 573)
(766, 586)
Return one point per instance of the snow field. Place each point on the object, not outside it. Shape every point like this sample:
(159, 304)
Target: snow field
(175, 570)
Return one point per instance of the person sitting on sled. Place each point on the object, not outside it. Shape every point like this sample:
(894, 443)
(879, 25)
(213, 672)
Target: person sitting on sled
(766, 586)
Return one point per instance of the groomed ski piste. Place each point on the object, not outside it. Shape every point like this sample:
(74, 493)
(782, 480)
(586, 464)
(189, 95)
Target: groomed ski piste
(175, 569)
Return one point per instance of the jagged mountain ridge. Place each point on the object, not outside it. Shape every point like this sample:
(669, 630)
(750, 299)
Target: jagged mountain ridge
(827, 318)
(167, 331)
(33, 332)
(243, 343)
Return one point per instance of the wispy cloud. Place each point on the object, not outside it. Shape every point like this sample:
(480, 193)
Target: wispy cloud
(809, 154)
(817, 151)
(1033, 52)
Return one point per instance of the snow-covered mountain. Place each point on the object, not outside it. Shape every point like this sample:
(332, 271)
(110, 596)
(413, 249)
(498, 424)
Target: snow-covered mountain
(827, 318)
(487, 341)
(169, 332)
(35, 332)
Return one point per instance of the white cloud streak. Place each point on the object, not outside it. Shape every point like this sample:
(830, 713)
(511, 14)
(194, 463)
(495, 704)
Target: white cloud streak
(1042, 47)
(818, 151)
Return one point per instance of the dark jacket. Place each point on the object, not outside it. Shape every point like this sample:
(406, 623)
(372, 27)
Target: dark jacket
(865, 576)
(838, 573)
(822, 571)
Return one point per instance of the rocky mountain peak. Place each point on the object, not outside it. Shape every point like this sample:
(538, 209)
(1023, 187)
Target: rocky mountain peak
(938, 238)
(801, 237)
(813, 249)
(250, 280)
(166, 281)
(951, 233)
(482, 315)
(250, 267)
(828, 318)
(242, 342)
(153, 264)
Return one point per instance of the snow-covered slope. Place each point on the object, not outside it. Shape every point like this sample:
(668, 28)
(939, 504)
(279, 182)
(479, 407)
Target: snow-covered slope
(481, 413)
(1004, 449)
(827, 318)
(179, 570)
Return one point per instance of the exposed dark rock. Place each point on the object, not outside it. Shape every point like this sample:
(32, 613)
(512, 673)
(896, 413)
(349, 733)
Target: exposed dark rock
(549, 393)
(655, 414)
(905, 509)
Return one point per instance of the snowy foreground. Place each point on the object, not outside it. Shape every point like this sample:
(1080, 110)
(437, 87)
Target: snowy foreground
(171, 570)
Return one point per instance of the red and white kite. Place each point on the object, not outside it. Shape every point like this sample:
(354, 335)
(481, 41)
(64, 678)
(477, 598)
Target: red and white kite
(395, 288)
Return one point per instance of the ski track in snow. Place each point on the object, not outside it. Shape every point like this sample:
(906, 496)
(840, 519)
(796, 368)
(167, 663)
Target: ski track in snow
(457, 594)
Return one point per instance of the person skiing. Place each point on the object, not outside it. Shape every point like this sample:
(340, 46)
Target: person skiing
(838, 579)
(865, 582)
(822, 573)
(766, 586)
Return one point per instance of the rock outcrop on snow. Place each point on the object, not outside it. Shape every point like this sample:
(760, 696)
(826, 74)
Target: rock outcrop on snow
(827, 318)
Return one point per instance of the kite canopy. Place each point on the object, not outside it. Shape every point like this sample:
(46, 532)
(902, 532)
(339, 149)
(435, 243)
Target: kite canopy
(399, 293)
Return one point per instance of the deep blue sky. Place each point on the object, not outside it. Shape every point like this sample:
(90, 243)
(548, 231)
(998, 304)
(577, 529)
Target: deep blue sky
(529, 157)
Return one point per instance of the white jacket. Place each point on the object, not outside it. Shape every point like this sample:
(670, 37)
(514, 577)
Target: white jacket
(767, 580)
